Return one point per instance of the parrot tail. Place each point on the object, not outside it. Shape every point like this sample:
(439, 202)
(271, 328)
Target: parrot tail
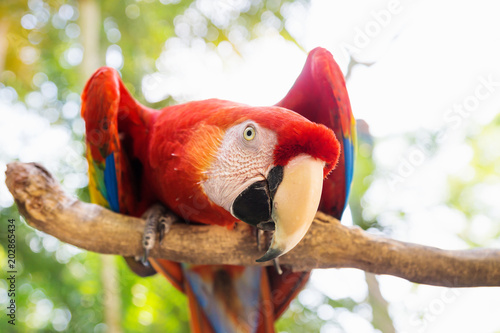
(236, 299)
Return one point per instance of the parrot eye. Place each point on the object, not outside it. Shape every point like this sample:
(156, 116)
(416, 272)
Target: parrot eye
(249, 133)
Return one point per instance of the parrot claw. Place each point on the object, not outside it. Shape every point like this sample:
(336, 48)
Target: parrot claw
(144, 259)
(157, 224)
(258, 234)
(166, 222)
(276, 264)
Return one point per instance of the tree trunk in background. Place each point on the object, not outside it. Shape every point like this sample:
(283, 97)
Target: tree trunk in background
(4, 42)
(111, 290)
(381, 319)
(90, 25)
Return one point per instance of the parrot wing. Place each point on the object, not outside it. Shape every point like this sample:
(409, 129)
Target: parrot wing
(112, 117)
(320, 95)
(117, 129)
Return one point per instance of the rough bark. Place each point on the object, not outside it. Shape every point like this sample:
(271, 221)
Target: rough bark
(327, 244)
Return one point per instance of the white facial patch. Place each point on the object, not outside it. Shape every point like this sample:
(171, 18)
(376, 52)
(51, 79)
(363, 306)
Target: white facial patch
(244, 157)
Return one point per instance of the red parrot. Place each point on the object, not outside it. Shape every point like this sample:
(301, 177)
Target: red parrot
(219, 162)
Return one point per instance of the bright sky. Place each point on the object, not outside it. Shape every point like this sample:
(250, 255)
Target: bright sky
(428, 57)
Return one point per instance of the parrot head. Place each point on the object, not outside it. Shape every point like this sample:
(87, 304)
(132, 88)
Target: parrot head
(268, 170)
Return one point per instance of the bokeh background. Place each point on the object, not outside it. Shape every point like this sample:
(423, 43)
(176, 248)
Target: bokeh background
(424, 77)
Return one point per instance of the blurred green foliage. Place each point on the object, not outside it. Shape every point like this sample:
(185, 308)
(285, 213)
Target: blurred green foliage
(475, 193)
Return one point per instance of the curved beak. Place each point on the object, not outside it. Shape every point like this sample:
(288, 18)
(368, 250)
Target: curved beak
(295, 204)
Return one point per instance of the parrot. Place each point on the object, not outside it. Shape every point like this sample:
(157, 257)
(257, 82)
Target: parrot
(220, 163)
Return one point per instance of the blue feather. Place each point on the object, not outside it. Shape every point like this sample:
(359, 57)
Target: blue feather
(349, 166)
(111, 183)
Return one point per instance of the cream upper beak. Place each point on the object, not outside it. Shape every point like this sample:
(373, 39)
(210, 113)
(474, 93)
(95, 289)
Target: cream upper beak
(295, 204)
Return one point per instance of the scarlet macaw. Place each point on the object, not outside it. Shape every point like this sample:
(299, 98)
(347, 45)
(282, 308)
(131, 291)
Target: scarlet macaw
(219, 162)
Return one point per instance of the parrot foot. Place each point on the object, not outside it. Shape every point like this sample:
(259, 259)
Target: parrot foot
(158, 224)
(259, 233)
(276, 264)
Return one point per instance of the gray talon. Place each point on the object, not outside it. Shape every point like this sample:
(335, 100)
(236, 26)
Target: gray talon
(258, 235)
(144, 259)
(276, 264)
(157, 224)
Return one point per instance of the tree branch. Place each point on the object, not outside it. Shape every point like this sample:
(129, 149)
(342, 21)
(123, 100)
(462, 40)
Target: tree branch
(327, 244)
